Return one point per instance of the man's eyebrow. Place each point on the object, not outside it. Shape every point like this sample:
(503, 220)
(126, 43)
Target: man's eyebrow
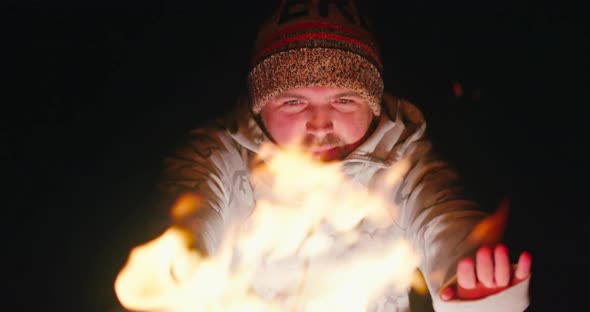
(346, 94)
(288, 95)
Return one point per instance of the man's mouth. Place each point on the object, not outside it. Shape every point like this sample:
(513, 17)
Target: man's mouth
(321, 149)
(325, 148)
(325, 152)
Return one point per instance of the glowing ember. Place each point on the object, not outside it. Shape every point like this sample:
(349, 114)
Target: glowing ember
(457, 89)
(317, 242)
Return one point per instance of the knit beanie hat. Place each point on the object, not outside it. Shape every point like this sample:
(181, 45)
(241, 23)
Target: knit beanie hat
(315, 43)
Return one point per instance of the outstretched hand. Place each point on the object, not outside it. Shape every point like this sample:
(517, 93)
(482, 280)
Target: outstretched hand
(491, 273)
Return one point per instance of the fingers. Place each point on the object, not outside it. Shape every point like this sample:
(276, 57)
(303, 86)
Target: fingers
(447, 294)
(523, 268)
(502, 265)
(484, 266)
(488, 273)
(466, 273)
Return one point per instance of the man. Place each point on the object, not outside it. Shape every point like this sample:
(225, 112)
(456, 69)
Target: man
(316, 81)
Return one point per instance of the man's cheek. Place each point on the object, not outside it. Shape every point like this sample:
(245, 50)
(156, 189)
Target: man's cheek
(286, 134)
(293, 129)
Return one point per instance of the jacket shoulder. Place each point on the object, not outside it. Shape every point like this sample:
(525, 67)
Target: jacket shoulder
(403, 109)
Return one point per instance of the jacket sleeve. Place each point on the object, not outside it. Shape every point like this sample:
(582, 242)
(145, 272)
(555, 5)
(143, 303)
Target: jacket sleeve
(210, 165)
(437, 218)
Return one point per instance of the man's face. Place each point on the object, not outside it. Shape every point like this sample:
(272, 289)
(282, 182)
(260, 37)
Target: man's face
(329, 122)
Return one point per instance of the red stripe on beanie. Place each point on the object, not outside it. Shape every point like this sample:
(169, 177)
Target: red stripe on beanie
(336, 37)
(308, 25)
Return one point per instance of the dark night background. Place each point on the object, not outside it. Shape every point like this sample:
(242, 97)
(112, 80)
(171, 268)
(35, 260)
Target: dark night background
(97, 92)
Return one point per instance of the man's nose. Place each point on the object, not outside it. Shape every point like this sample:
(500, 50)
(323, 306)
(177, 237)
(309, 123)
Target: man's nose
(319, 121)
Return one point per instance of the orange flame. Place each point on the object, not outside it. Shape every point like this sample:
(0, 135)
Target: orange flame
(305, 247)
(186, 205)
(490, 230)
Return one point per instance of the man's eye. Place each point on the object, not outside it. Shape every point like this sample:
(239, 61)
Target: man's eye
(343, 101)
(293, 106)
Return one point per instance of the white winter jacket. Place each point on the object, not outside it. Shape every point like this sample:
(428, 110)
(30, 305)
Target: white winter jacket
(434, 214)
